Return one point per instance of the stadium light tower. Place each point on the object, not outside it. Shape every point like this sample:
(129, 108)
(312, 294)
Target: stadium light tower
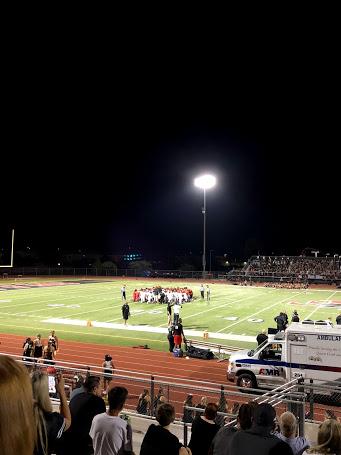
(204, 182)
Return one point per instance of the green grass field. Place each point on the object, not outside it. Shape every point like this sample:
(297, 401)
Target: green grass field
(29, 311)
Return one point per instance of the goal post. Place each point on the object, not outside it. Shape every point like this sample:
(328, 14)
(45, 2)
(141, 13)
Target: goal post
(12, 251)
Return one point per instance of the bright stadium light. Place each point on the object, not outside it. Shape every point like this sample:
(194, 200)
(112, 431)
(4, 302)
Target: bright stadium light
(204, 182)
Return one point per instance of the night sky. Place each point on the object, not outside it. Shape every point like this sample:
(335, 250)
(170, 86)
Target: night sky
(108, 171)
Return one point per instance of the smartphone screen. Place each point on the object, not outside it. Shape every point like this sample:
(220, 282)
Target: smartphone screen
(52, 384)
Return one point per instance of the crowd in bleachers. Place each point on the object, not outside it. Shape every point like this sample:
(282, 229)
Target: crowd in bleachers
(93, 423)
(301, 267)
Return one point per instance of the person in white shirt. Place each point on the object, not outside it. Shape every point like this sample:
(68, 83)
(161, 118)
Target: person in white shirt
(123, 292)
(176, 312)
(110, 434)
(208, 293)
(202, 292)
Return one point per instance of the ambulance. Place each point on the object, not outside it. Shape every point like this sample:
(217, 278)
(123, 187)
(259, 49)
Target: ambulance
(307, 349)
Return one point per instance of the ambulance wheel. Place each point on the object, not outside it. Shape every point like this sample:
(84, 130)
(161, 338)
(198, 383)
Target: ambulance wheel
(246, 381)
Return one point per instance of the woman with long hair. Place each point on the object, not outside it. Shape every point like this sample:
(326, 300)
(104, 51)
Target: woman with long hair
(49, 425)
(16, 409)
(328, 439)
(144, 402)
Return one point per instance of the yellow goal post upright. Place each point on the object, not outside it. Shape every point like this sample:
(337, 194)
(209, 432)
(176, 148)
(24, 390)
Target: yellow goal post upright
(12, 250)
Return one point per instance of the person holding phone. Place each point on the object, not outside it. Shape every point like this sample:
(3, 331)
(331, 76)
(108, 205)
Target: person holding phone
(49, 425)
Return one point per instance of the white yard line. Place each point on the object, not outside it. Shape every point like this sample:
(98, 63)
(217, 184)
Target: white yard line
(318, 307)
(255, 314)
(146, 328)
(213, 308)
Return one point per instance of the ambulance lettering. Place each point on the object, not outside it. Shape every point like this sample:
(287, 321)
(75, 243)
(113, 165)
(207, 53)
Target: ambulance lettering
(269, 372)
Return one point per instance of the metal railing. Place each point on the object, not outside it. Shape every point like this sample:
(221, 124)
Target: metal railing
(303, 398)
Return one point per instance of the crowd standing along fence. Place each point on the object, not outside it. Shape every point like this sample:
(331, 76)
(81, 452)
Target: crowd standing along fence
(301, 398)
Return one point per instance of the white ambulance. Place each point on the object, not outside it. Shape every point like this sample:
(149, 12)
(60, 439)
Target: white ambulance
(308, 349)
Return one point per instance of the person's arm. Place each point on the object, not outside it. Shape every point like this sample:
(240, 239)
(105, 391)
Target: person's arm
(185, 451)
(64, 407)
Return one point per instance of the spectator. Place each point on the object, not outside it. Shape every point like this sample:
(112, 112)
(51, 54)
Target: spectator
(329, 414)
(261, 337)
(17, 433)
(204, 429)
(79, 386)
(143, 405)
(259, 439)
(49, 354)
(201, 405)
(223, 437)
(288, 430)
(188, 413)
(158, 399)
(28, 350)
(108, 371)
(222, 407)
(49, 425)
(84, 407)
(295, 317)
(328, 439)
(338, 319)
(54, 340)
(158, 439)
(108, 431)
(38, 347)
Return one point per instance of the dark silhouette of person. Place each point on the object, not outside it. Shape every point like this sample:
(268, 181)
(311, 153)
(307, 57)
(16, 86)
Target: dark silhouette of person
(125, 312)
(261, 337)
(295, 317)
(170, 339)
(280, 320)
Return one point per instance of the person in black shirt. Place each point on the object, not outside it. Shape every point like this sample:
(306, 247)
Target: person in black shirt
(178, 333)
(204, 429)
(170, 339)
(261, 337)
(338, 319)
(125, 313)
(295, 317)
(159, 439)
(280, 320)
(83, 407)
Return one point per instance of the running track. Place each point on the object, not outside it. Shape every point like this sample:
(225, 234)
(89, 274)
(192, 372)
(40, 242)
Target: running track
(147, 361)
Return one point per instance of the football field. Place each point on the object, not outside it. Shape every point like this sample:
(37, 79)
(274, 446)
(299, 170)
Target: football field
(90, 311)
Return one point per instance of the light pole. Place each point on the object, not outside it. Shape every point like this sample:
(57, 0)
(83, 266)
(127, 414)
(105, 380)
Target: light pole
(205, 182)
(211, 260)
